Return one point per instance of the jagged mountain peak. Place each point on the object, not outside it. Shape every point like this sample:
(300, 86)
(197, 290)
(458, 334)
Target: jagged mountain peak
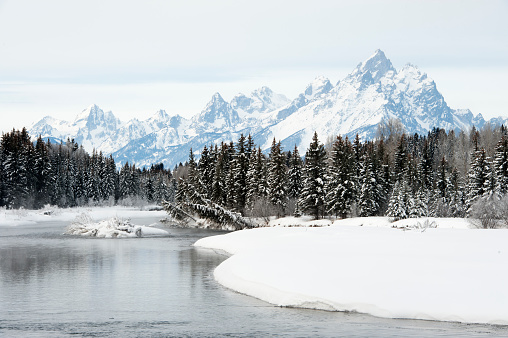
(93, 109)
(160, 115)
(217, 115)
(320, 85)
(217, 98)
(372, 69)
(263, 91)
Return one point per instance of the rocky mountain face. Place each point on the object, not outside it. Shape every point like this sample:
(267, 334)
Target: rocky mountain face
(374, 91)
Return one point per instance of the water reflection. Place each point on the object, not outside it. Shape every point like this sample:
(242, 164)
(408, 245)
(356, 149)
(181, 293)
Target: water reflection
(196, 264)
(20, 263)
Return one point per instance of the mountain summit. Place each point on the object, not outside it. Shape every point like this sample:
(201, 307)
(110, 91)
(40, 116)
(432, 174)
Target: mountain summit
(373, 92)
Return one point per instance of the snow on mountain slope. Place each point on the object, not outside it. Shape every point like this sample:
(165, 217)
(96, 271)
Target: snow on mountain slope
(374, 91)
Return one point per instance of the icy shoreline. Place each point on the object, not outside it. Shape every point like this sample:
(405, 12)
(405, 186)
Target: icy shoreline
(446, 273)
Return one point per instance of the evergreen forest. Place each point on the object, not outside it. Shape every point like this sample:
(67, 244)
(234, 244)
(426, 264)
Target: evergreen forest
(35, 174)
(441, 174)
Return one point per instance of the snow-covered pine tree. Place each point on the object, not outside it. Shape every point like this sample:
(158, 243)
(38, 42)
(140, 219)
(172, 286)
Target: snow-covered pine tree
(501, 166)
(192, 171)
(417, 204)
(370, 189)
(15, 168)
(229, 177)
(257, 188)
(250, 147)
(110, 178)
(125, 181)
(401, 159)
(384, 175)
(277, 179)
(455, 190)
(397, 206)
(478, 177)
(312, 198)
(441, 178)
(341, 189)
(295, 174)
(219, 178)
(425, 166)
(41, 171)
(239, 169)
(206, 167)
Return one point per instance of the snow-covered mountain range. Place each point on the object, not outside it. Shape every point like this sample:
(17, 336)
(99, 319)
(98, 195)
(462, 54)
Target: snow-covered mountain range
(374, 91)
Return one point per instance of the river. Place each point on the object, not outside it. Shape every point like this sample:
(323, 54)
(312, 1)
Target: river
(55, 285)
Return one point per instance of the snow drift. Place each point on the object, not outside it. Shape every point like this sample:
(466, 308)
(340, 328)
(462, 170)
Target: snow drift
(431, 273)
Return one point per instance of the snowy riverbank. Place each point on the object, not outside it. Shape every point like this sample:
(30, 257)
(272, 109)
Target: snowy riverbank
(48, 214)
(448, 273)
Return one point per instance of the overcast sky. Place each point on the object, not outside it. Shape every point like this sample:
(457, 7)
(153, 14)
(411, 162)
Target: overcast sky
(134, 57)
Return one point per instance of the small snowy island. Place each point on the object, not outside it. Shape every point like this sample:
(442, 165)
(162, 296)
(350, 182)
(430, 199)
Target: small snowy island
(114, 227)
(431, 269)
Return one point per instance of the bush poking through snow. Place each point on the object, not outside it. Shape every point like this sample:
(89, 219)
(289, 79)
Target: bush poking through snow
(411, 224)
(490, 212)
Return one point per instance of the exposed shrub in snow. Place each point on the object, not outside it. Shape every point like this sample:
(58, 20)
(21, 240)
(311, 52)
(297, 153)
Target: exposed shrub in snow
(490, 212)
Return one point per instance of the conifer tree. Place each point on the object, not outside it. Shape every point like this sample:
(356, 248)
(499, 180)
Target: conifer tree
(277, 179)
(295, 174)
(401, 158)
(441, 178)
(312, 198)
(425, 168)
(341, 180)
(240, 167)
(478, 177)
(256, 178)
(397, 206)
(455, 191)
(501, 166)
(370, 189)
(206, 171)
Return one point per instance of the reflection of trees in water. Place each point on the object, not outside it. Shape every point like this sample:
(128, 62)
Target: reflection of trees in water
(197, 265)
(25, 262)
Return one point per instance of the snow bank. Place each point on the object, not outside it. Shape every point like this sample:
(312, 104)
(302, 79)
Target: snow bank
(26, 217)
(410, 223)
(416, 272)
(114, 227)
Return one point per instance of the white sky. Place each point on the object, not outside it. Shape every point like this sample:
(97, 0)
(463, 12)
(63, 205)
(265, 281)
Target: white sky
(134, 57)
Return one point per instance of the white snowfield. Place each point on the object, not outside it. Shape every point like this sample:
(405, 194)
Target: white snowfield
(417, 271)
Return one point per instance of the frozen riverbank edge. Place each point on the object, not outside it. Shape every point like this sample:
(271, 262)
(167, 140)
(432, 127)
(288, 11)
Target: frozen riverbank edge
(447, 273)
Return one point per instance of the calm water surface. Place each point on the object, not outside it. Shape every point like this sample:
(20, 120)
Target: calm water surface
(53, 285)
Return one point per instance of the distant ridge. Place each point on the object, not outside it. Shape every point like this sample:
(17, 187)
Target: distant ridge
(374, 91)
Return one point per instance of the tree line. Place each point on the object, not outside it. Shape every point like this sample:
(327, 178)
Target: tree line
(35, 174)
(441, 174)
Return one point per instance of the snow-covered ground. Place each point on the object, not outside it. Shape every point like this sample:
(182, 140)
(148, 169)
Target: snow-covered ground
(436, 269)
(26, 217)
